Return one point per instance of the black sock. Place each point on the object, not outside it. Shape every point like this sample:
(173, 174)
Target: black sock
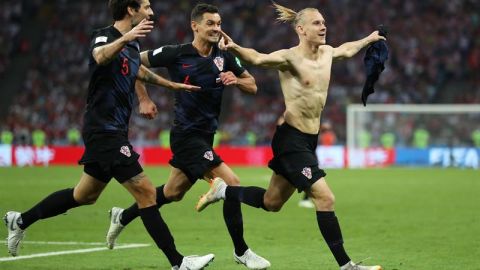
(158, 230)
(131, 213)
(252, 196)
(330, 229)
(55, 204)
(232, 214)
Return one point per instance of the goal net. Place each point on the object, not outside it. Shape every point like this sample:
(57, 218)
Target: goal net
(413, 135)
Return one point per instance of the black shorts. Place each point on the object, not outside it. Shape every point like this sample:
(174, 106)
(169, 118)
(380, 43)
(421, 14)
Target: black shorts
(294, 157)
(109, 155)
(193, 153)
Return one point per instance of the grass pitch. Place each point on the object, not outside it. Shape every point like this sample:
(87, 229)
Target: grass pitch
(403, 219)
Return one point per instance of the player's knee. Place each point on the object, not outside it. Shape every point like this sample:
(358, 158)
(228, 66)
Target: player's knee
(147, 195)
(330, 200)
(326, 201)
(273, 206)
(87, 199)
(175, 195)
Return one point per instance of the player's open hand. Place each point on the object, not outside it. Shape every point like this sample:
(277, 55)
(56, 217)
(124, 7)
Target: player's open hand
(228, 78)
(185, 87)
(147, 109)
(139, 31)
(375, 36)
(225, 42)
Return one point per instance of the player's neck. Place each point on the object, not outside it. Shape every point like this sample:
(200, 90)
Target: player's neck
(308, 50)
(123, 26)
(203, 48)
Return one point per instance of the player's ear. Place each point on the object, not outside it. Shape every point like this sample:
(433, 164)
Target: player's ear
(194, 26)
(130, 11)
(300, 29)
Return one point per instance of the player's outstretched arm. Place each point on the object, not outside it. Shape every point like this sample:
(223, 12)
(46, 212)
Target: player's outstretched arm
(349, 49)
(104, 54)
(275, 60)
(146, 75)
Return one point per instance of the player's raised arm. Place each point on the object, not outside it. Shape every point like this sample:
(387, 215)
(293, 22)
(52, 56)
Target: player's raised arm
(105, 53)
(276, 59)
(146, 75)
(349, 49)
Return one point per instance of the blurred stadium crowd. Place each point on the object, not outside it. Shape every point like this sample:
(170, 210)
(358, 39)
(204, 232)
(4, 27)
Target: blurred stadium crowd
(434, 58)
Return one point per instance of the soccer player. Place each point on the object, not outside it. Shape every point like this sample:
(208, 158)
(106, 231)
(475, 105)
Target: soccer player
(196, 119)
(304, 72)
(114, 67)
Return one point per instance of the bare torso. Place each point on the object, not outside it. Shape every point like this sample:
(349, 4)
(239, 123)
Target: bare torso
(305, 87)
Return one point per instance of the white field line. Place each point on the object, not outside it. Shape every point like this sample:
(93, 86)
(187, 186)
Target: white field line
(62, 243)
(76, 251)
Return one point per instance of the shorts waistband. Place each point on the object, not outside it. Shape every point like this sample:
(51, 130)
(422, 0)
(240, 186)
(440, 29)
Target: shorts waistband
(296, 130)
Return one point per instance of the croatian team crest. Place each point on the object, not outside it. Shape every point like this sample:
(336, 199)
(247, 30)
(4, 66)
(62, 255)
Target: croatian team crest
(307, 172)
(208, 155)
(126, 151)
(219, 62)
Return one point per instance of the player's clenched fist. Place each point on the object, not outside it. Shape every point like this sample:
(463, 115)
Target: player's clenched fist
(228, 78)
(147, 109)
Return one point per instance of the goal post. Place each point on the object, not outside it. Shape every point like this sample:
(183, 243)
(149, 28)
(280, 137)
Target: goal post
(416, 135)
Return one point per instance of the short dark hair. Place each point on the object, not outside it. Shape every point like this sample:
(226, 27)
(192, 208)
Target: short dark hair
(119, 8)
(200, 9)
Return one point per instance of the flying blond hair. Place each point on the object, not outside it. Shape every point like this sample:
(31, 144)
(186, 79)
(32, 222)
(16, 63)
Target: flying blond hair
(286, 15)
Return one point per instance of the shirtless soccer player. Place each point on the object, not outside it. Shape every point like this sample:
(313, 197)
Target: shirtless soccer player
(304, 72)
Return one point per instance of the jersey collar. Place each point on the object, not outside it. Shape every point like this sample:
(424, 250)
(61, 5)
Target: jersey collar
(115, 33)
(190, 49)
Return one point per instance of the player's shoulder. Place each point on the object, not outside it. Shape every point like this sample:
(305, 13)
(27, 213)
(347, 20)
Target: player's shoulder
(108, 30)
(287, 54)
(325, 48)
(174, 49)
(284, 52)
(224, 53)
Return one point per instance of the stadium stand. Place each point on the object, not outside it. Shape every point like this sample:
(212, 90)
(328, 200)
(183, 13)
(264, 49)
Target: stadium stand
(435, 58)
